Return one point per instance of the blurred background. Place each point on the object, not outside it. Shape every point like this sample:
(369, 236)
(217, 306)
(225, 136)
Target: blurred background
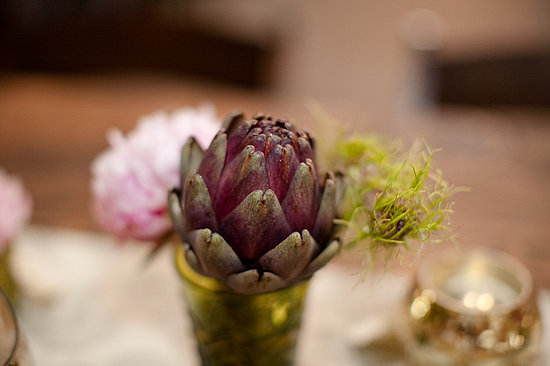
(384, 53)
(472, 77)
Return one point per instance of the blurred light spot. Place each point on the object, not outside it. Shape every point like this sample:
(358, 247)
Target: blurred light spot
(279, 314)
(470, 299)
(516, 340)
(485, 302)
(420, 307)
(487, 339)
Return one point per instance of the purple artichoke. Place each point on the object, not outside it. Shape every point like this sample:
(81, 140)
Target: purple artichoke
(252, 211)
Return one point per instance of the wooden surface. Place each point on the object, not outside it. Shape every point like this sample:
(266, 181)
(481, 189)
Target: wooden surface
(52, 127)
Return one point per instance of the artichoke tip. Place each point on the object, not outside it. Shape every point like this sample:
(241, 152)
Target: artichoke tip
(253, 282)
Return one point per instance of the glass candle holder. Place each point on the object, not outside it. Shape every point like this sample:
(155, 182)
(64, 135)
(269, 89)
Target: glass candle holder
(13, 346)
(473, 307)
(239, 329)
(7, 282)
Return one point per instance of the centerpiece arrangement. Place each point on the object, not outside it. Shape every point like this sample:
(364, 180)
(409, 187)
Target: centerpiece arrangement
(257, 218)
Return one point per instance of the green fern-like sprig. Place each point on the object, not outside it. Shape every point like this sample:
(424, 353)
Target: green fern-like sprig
(393, 202)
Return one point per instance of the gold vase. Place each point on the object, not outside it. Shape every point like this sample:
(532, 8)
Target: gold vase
(477, 308)
(6, 277)
(238, 329)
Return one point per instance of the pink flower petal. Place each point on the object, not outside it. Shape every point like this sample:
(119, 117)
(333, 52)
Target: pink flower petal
(131, 179)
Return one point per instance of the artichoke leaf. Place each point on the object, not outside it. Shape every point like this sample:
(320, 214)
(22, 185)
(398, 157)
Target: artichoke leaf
(213, 162)
(198, 205)
(246, 173)
(289, 257)
(306, 150)
(281, 163)
(327, 210)
(236, 140)
(246, 229)
(191, 258)
(175, 211)
(300, 203)
(232, 121)
(215, 256)
(191, 157)
(252, 282)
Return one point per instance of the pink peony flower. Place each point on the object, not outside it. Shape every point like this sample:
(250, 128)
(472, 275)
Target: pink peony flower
(15, 208)
(130, 180)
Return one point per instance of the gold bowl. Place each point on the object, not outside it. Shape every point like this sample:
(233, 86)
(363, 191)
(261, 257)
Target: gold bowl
(472, 307)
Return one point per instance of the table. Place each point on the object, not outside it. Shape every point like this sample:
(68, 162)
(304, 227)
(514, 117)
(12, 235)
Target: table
(98, 303)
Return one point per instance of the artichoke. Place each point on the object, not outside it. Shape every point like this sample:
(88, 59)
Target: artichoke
(252, 211)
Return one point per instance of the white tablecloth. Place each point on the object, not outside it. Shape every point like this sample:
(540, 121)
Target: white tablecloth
(90, 301)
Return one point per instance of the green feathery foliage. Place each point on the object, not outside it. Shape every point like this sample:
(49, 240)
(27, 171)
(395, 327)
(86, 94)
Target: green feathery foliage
(393, 201)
